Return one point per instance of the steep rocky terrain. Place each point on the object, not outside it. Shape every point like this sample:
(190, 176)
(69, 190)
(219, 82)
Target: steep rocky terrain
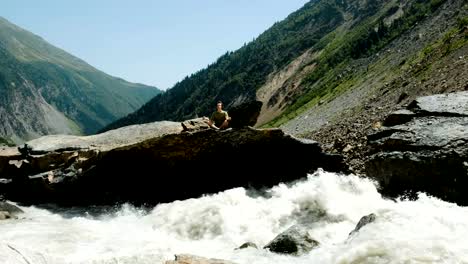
(44, 90)
(430, 58)
(423, 148)
(331, 70)
(238, 76)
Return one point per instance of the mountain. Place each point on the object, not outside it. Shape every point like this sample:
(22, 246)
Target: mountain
(45, 90)
(313, 57)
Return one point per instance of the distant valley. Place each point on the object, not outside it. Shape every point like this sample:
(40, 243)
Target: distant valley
(44, 90)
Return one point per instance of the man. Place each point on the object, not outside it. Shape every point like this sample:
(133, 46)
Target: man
(220, 118)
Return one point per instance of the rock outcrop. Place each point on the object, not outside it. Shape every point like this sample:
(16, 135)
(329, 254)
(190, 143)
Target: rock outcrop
(247, 245)
(365, 220)
(245, 114)
(8, 210)
(424, 148)
(155, 162)
(190, 259)
(295, 241)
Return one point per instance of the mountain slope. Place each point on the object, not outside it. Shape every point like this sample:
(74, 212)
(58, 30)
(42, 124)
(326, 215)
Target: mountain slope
(311, 58)
(44, 90)
(430, 58)
(236, 76)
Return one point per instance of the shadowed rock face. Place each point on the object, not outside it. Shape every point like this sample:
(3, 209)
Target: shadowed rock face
(425, 149)
(245, 114)
(156, 162)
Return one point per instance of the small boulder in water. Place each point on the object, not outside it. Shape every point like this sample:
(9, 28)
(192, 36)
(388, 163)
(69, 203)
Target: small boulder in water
(10, 208)
(4, 215)
(295, 240)
(247, 245)
(191, 259)
(8, 211)
(367, 219)
(423, 148)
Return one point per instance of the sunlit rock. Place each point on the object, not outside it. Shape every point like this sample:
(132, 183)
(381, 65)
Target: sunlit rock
(424, 149)
(157, 162)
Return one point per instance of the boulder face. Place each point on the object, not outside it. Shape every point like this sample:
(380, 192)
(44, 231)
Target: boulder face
(155, 162)
(295, 241)
(424, 148)
(8, 210)
(245, 114)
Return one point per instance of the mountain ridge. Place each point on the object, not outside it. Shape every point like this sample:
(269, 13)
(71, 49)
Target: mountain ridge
(46, 90)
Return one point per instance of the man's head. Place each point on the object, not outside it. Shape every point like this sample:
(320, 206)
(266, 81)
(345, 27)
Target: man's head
(219, 106)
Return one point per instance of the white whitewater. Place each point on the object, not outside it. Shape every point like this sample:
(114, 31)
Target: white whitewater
(427, 230)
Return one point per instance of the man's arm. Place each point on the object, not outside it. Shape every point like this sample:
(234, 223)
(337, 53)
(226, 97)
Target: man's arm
(227, 116)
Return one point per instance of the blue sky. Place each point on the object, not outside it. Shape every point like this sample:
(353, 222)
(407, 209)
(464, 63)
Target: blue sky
(152, 42)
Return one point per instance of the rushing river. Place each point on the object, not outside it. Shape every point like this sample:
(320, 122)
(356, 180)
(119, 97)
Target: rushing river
(427, 230)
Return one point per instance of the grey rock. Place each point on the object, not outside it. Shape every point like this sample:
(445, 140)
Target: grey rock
(8, 210)
(121, 137)
(4, 215)
(426, 153)
(450, 104)
(247, 245)
(140, 163)
(8, 207)
(365, 220)
(295, 241)
(195, 124)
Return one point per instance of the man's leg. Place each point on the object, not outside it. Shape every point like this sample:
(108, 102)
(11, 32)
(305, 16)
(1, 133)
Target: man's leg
(224, 125)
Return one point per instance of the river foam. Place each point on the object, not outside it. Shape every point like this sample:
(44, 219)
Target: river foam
(426, 230)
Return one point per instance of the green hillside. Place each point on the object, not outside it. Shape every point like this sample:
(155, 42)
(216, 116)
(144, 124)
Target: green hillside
(310, 58)
(236, 76)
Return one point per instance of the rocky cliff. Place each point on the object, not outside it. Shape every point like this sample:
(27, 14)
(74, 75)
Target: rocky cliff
(424, 148)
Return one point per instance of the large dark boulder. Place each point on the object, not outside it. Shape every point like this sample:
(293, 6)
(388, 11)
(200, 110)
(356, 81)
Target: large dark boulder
(156, 162)
(424, 149)
(295, 241)
(245, 114)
